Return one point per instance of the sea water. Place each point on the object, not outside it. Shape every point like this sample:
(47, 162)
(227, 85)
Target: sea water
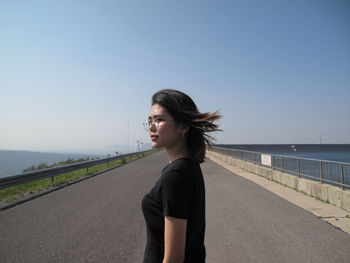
(13, 162)
(343, 157)
(327, 152)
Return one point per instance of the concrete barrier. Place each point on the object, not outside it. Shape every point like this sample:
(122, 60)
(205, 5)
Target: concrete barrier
(324, 192)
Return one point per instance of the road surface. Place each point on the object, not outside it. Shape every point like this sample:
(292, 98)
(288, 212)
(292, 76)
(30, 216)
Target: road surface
(100, 220)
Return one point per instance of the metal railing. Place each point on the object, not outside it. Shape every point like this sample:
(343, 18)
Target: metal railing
(333, 173)
(52, 172)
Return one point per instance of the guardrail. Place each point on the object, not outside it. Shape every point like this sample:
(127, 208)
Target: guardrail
(333, 173)
(52, 172)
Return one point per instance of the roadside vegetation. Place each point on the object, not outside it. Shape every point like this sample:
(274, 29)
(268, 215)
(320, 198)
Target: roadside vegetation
(19, 191)
(66, 162)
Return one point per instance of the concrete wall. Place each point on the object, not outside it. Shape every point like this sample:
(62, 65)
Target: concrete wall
(324, 192)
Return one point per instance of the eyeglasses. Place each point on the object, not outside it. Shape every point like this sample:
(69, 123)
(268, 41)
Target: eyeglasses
(149, 123)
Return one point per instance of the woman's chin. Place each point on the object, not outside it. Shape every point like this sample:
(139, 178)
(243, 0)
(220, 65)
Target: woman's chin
(156, 145)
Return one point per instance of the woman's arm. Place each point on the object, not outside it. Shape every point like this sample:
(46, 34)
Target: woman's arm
(174, 239)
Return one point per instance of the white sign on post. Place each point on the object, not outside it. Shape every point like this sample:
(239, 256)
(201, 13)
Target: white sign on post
(266, 159)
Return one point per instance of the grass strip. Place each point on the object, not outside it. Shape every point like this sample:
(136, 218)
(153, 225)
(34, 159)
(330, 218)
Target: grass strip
(19, 191)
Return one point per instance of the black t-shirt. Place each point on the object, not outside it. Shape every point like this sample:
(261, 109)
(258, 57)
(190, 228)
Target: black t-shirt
(180, 193)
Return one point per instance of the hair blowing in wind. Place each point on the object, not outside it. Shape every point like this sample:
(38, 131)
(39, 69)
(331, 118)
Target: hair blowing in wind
(184, 111)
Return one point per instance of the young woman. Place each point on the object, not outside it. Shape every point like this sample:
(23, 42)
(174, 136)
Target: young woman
(174, 209)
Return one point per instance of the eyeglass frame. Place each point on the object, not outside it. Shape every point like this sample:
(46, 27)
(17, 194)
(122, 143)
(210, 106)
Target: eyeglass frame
(155, 120)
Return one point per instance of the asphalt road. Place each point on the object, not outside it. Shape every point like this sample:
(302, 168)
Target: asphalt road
(100, 220)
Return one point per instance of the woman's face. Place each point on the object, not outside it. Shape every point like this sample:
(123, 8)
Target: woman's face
(164, 131)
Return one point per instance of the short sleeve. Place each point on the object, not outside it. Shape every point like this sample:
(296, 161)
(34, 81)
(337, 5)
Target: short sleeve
(175, 195)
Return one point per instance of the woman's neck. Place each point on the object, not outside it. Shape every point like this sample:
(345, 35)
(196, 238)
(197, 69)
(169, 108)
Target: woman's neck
(176, 152)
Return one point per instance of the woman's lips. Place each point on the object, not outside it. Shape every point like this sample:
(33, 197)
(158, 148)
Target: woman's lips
(154, 137)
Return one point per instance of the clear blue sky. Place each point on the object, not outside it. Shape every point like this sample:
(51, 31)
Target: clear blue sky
(74, 73)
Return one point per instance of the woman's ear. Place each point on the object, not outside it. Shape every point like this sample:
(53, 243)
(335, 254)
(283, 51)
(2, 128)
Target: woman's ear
(184, 130)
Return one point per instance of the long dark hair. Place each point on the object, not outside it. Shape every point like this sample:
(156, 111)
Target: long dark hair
(182, 108)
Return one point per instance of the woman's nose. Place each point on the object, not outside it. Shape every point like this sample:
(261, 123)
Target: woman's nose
(152, 127)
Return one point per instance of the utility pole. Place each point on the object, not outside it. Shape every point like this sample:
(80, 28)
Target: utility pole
(128, 136)
(138, 144)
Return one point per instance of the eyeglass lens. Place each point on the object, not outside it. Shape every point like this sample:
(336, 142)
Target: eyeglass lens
(148, 124)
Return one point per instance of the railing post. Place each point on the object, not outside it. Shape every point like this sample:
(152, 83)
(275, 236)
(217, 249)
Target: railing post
(52, 179)
(282, 164)
(321, 172)
(298, 168)
(342, 176)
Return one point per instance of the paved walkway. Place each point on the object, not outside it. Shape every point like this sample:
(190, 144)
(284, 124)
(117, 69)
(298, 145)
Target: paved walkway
(329, 213)
(247, 223)
(100, 220)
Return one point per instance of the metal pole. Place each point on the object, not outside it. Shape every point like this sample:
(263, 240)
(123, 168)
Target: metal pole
(299, 168)
(321, 172)
(342, 176)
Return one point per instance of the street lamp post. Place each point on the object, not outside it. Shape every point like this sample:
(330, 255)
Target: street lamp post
(138, 144)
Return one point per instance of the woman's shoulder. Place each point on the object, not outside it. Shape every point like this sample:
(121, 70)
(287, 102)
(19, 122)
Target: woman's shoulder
(182, 169)
(178, 165)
